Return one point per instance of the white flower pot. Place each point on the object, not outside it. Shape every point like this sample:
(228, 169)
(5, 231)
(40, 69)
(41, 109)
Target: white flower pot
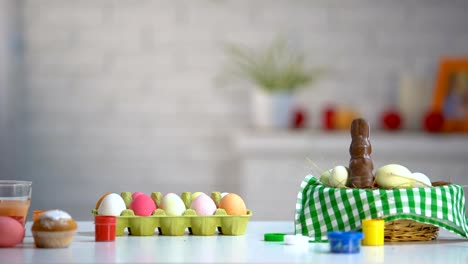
(272, 110)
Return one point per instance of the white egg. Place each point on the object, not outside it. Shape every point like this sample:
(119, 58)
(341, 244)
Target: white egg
(112, 204)
(224, 194)
(338, 177)
(394, 176)
(421, 180)
(173, 204)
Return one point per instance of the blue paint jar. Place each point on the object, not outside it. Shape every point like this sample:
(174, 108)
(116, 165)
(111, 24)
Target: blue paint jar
(345, 242)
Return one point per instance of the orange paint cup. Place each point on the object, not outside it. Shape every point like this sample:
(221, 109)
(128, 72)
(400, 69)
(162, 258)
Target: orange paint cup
(36, 214)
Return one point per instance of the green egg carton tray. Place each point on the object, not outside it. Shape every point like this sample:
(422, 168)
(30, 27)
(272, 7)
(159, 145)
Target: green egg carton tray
(166, 225)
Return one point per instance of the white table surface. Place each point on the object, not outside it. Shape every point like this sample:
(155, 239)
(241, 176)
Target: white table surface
(248, 248)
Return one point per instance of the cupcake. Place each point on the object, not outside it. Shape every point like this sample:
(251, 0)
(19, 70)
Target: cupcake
(53, 229)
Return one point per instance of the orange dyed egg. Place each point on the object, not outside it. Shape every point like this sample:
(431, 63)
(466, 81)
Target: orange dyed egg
(233, 204)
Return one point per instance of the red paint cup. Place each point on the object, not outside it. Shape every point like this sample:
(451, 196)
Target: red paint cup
(104, 227)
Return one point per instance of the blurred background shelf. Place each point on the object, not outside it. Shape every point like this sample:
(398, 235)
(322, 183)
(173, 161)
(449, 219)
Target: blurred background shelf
(277, 162)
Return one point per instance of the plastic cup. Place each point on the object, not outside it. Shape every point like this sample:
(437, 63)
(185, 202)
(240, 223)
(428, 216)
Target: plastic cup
(104, 227)
(345, 242)
(373, 232)
(15, 199)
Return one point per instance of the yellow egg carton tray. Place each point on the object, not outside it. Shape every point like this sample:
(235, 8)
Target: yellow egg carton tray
(166, 225)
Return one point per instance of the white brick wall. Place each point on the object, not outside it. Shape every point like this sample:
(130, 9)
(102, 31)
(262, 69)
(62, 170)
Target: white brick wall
(6, 22)
(121, 95)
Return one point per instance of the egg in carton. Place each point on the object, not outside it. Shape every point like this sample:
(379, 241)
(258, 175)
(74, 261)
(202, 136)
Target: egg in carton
(172, 215)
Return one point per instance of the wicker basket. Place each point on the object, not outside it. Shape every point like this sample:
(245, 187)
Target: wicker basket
(409, 230)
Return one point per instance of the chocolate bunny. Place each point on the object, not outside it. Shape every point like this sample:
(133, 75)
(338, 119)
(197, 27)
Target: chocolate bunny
(360, 164)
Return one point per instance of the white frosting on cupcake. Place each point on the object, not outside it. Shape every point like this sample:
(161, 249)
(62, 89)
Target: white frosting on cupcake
(55, 215)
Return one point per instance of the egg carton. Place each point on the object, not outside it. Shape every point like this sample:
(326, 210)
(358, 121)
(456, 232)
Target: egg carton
(166, 225)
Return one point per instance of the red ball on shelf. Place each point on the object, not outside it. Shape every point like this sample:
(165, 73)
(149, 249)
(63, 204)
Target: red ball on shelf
(299, 118)
(391, 120)
(327, 118)
(433, 121)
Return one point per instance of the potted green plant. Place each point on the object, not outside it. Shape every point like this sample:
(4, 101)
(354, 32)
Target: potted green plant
(277, 73)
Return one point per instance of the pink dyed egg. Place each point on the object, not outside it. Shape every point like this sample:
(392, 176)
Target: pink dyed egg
(203, 205)
(136, 194)
(143, 205)
(12, 232)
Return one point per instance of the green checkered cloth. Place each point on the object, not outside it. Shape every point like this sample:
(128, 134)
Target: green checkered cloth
(320, 209)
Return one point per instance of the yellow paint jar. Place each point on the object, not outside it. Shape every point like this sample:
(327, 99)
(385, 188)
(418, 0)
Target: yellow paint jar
(373, 232)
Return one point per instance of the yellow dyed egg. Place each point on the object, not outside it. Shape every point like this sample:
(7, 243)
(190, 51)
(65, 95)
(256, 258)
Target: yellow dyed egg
(394, 176)
(196, 194)
(338, 177)
(325, 177)
(172, 204)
